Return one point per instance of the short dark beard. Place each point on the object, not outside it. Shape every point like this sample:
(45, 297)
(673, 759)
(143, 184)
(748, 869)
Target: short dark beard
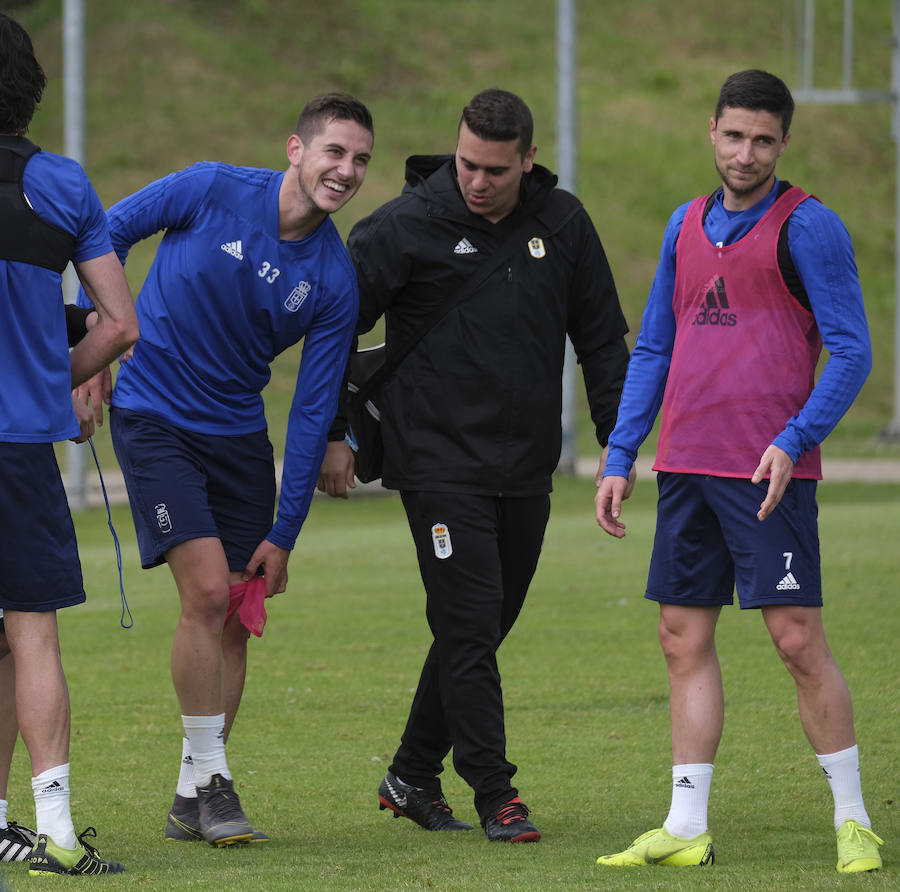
(741, 190)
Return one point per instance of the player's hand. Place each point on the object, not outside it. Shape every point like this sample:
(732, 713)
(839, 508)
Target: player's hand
(632, 474)
(611, 491)
(95, 392)
(780, 467)
(273, 561)
(336, 473)
(85, 418)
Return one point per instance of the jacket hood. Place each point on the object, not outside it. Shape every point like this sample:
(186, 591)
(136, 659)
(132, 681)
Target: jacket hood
(433, 178)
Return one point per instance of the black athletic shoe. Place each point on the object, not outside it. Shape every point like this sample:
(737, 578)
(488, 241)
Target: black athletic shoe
(222, 820)
(510, 823)
(428, 810)
(16, 842)
(84, 860)
(183, 823)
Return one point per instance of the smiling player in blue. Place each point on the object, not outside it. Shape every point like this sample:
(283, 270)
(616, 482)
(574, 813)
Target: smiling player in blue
(249, 265)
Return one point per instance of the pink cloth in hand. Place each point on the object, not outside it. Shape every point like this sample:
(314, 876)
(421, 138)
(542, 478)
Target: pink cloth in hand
(249, 597)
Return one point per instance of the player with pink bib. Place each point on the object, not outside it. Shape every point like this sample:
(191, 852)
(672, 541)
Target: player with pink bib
(752, 281)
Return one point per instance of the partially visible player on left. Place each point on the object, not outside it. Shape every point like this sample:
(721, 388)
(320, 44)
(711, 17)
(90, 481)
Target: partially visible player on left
(50, 215)
(17, 840)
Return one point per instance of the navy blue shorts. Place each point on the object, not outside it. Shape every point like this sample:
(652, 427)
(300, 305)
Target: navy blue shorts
(183, 485)
(708, 539)
(39, 566)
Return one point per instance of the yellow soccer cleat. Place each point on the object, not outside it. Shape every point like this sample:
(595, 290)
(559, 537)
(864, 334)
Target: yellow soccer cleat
(47, 858)
(857, 848)
(660, 847)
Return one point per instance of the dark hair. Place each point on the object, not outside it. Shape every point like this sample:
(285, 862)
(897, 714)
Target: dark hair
(22, 80)
(321, 110)
(499, 116)
(757, 91)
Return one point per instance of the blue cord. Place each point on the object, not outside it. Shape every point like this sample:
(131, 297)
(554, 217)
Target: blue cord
(125, 608)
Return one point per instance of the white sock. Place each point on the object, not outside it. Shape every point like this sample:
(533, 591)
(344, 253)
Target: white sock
(186, 786)
(842, 771)
(206, 738)
(690, 800)
(4, 805)
(51, 806)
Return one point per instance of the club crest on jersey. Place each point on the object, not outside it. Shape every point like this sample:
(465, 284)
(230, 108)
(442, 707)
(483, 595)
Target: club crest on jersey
(297, 296)
(440, 537)
(536, 248)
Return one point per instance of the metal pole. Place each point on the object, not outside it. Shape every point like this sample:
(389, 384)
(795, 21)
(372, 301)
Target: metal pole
(809, 36)
(566, 150)
(73, 138)
(893, 430)
(848, 45)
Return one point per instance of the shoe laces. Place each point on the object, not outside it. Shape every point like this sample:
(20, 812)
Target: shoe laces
(858, 840)
(441, 805)
(92, 832)
(514, 810)
(24, 832)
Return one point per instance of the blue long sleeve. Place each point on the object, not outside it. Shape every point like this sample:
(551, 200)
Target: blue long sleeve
(226, 295)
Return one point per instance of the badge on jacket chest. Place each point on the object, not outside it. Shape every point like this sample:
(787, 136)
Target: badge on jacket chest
(536, 248)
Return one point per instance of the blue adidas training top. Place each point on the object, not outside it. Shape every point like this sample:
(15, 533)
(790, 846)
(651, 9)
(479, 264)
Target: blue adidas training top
(35, 399)
(224, 296)
(823, 256)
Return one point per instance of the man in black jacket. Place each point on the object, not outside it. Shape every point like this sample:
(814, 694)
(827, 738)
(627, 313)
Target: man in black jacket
(471, 423)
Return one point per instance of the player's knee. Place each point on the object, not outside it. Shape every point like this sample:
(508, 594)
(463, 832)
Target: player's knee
(686, 644)
(802, 650)
(206, 604)
(677, 646)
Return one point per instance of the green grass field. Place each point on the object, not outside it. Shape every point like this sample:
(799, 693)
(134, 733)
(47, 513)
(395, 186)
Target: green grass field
(585, 687)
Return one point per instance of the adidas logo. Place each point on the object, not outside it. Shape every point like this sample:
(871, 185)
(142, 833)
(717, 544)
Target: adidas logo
(713, 312)
(684, 782)
(464, 246)
(788, 583)
(235, 249)
(53, 788)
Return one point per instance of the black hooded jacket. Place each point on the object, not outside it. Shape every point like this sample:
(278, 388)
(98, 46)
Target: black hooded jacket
(475, 406)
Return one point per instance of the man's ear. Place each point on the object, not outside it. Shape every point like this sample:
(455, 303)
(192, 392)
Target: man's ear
(294, 148)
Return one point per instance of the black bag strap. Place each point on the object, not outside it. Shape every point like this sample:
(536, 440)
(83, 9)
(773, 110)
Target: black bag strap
(25, 236)
(558, 209)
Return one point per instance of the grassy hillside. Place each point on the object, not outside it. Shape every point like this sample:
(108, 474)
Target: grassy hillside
(175, 81)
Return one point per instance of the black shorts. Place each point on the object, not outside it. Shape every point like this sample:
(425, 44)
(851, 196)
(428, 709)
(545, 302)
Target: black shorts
(184, 485)
(39, 566)
(709, 539)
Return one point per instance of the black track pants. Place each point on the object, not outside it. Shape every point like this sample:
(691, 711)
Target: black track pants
(477, 556)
